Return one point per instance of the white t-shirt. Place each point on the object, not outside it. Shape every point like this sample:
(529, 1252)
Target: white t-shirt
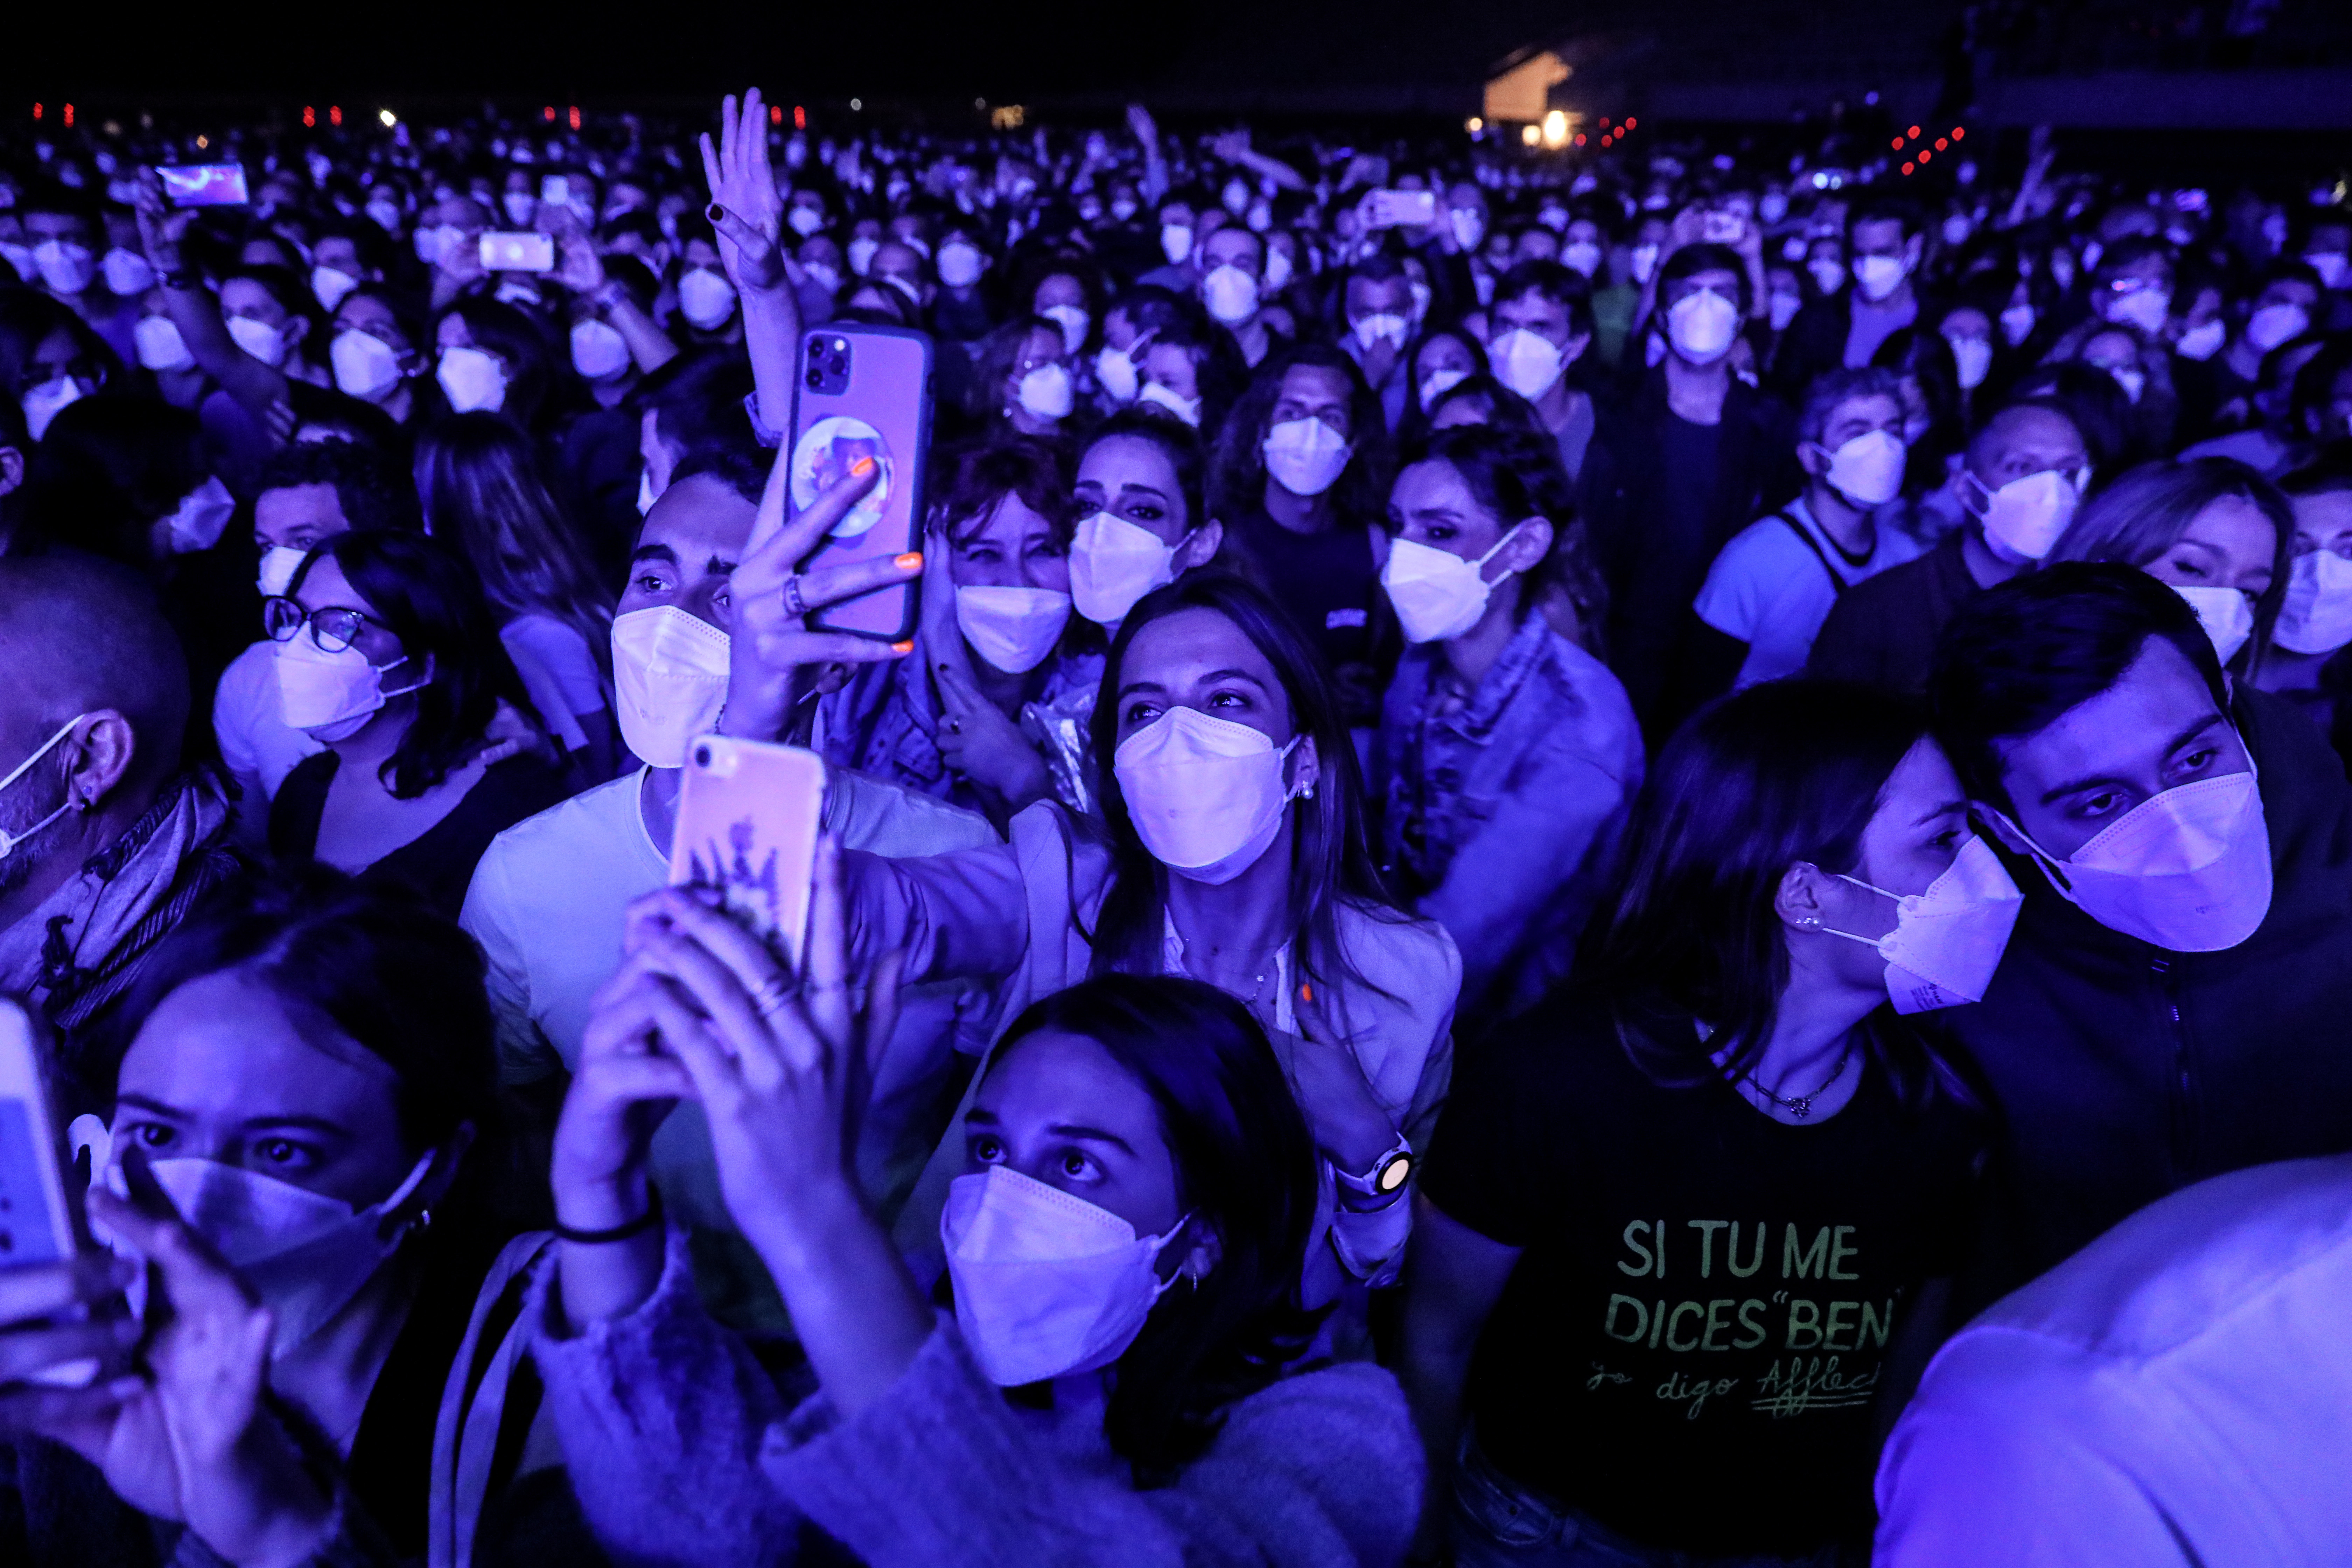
(547, 904)
(559, 672)
(1771, 589)
(2178, 1392)
(256, 744)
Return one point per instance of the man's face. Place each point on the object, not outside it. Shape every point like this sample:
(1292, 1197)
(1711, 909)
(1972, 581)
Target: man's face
(2026, 442)
(1884, 237)
(687, 552)
(1233, 246)
(299, 517)
(1536, 313)
(66, 228)
(2156, 729)
(1379, 296)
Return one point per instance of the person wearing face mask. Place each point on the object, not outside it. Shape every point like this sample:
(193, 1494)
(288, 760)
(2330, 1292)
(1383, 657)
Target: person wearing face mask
(490, 355)
(1178, 237)
(1101, 1277)
(1768, 592)
(1142, 514)
(1376, 312)
(549, 899)
(1021, 384)
(50, 359)
(1506, 753)
(372, 353)
(962, 311)
(2281, 311)
(2315, 618)
(101, 831)
(1233, 281)
(1130, 325)
(2219, 532)
(1609, 1295)
(67, 241)
(992, 712)
(1541, 324)
(1438, 360)
(309, 1080)
(2182, 956)
(1697, 457)
(2019, 483)
(1884, 243)
(386, 652)
(1067, 292)
(1296, 477)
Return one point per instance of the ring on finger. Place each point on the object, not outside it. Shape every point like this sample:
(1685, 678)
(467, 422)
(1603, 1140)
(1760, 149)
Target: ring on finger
(955, 726)
(794, 603)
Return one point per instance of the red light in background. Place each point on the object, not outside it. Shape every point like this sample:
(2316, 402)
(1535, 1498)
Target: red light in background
(1896, 144)
(1913, 131)
(1580, 138)
(1925, 154)
(800, 118)
(37, 112)
(309, 116)
(575, 117)
(1959, 132)
(1907, 168)
(334, 114)
(1630, 122)
(69, 116)
(775, 114)
(1941, 143)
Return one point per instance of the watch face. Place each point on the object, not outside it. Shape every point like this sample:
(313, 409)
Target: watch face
(1394, 1174)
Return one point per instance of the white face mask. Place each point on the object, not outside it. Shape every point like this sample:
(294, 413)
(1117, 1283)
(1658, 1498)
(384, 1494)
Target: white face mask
(1073, 323)
(599, 352)
(960, 265)
(1946, 941)
(2132, 379)
(1114, 562)
(1115, 372)
(2275, 324)
(1206, 796)
(1526, 363)
(2317, 615)
(159, 345)
(2227, 616)
(1278, 271)
(1581, 256)
(1646, 262)
(1188, 409)
(1229, 293)
(2144, 308)
(47, 401)
(1013, 628)
(64, 266)
(127, 273)
(1772, 207)
(1783, 308)
(472, 380)
(1372, 331)
(1306, 457)
(2023, 519)
(365, 366)
(199, 520)
(1972, 359)
(2332, 266)
(805, 220)
(1469, 227)
(1175, 242)
(2017, 324)
(861, 253)
(331, 696)
(1046, 1283)
(2202, 341)
(11, 842)
(259, 339)
(1868, 470)
(704, 299)
(1437, 384)
(279, 564)
(1436, 593)
(670, 673)
(2189, 870)
(386, 214)
(1702, 325)
(433, 243)
(1878, 276)
(330, 285)
(19, 257)
(1828, 276)
(1045, 392)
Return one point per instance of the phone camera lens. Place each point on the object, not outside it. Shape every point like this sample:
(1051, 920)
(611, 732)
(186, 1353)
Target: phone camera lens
(702, 757)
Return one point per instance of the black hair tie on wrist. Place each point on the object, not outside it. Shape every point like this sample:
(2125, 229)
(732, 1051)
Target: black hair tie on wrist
(623, 1232)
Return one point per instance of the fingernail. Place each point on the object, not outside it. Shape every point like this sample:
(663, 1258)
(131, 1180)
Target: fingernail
(863, 467)
(715, 213)
(909, 561)
(903, 648)
(1306, 992)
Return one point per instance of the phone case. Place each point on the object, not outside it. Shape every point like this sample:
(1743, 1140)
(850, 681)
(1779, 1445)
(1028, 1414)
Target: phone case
(864, 392)
(517, 251)
(747, 824)
(39, 1223)
(204, 185)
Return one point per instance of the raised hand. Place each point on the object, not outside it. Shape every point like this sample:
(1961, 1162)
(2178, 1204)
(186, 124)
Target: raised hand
(978, 742)
(744, 207)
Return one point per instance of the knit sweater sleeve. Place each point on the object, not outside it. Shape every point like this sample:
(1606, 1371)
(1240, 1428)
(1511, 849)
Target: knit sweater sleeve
(660, 1413)
(1321, 1471)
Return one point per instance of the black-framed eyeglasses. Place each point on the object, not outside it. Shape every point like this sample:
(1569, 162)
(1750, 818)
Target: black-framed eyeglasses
(332, 628)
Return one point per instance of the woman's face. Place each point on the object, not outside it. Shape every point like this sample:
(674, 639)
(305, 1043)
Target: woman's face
(452, 334)
(220, 1072)
(1968, 322)
(1443, 351)
(1038, 348)
(359, 312)
(244, 297)
(340, 252)
(1432, 506)
(1009, 546)
(1060, 1109)
(1911, 839)
(1168, 366)
(325, 587)
(1132, 479)
(2229, 545)
(58, 355)
(1314, 392)
(2324, 522)
(1199, 658)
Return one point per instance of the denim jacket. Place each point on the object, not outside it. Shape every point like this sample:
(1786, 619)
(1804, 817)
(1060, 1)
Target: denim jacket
(1500, 817)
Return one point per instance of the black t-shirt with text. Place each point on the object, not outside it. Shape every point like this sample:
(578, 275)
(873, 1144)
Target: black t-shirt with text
(1690, 1344)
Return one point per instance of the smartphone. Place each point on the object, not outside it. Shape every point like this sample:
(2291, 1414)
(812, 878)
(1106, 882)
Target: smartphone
(204, 185)
(513, 250)
(1394, 209)
(555, 190)
(747, 822)
(864, 392)
(39, 1222)
(1721, 228)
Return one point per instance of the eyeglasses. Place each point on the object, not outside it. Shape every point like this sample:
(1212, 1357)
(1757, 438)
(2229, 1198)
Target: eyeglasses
(333, 630)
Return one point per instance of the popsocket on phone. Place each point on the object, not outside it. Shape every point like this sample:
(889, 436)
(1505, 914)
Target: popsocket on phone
(823, 458)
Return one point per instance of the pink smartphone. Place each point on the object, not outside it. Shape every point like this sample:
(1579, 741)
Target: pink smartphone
(747, 822)
(204, 185)
(1392, 208)
(40, 1221)
(518, 250)
(864, 392)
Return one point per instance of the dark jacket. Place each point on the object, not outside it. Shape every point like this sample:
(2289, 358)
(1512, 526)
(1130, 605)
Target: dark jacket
(1814, 344)
(1883, 630)
(2124, 1072)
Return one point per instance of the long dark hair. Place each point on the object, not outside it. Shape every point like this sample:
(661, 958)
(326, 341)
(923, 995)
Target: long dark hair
(427, 596)
(1245, 1170)
(1330, 857)
(1237, 468)
(1781, 772)
(1513, 476)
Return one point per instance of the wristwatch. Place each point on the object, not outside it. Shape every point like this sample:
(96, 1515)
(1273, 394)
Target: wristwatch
(1386, 1177)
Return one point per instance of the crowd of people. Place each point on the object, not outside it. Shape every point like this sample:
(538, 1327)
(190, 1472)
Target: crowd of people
(1485, 725)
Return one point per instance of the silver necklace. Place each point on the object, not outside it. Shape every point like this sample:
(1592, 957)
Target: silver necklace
(1801, 1106)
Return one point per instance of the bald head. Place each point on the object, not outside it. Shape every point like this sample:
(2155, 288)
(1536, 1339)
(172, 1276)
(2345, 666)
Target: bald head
(78, 635)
